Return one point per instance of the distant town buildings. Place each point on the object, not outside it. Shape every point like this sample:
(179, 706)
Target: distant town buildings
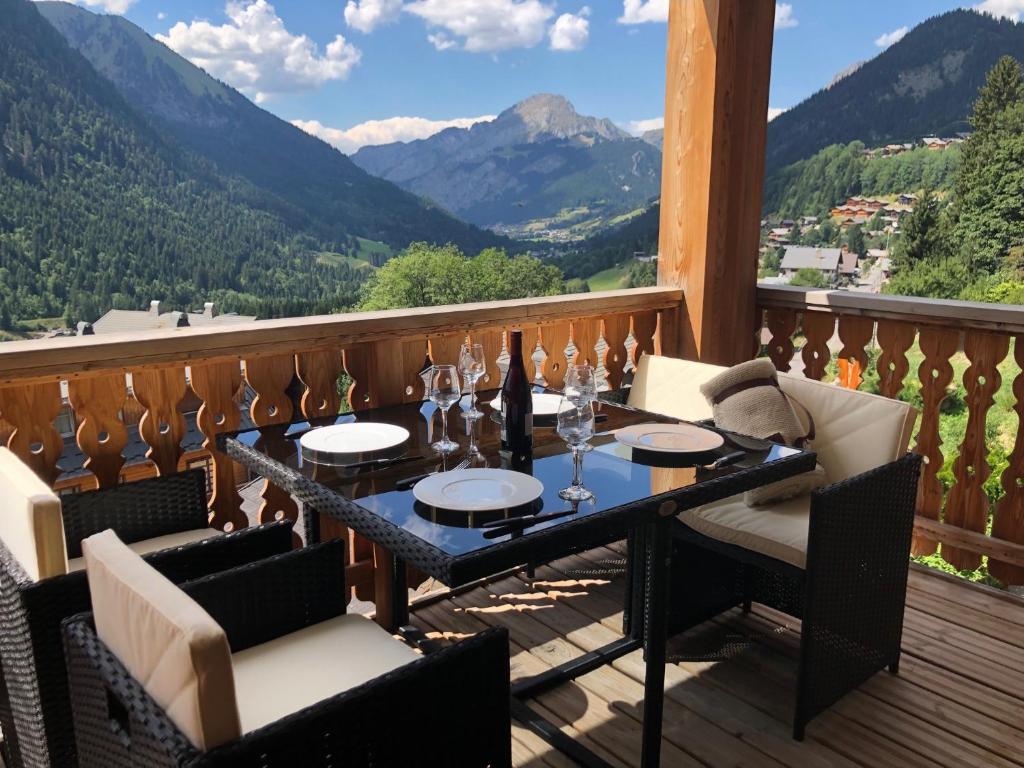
(121, 320)
(824, 260)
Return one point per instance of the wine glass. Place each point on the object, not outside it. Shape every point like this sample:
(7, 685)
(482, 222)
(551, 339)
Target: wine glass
(472, 366)
(445, 392)
(576, 427)
(580, 384)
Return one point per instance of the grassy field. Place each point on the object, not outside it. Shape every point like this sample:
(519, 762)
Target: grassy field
(609, 279)
(336, 259)
(374, 248)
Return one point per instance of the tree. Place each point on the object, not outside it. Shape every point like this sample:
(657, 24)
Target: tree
(855, 240)
(922, 233)
(427, 275)
(809, 278)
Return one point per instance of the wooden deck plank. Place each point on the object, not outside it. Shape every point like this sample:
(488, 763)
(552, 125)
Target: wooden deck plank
(958, 700)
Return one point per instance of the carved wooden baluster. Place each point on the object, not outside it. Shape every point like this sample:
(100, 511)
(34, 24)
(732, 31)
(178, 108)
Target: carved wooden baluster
(615, 329)
(356, 362)
(162, 426)
(101, 435)
(894, 339)
(818, 328)
(554, 339)
(585, 333)
(967, 505)
(1009, 516)
(855, 333)
(30, 409)
(936, 373)
(644, 326)
(319, 371)
(216, 385)
(269, 378)
(415, 359)
(444, 350)
(781, 325)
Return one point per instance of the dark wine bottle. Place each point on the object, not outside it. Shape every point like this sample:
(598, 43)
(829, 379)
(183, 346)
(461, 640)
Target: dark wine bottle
(516, 404)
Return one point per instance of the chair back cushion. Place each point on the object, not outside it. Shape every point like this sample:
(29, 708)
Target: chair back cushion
(165, 639)
(854, 431)
(671, 387)
(30, 520)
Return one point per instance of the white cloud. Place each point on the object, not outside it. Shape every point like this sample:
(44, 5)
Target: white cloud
(774, 112)
(161, 16)
(890, 38)
(643, 11)
(441, 41)
(367, 15)
(374, 132)
(784, 18)
(256, 54)
(484, 25)
(107, 6)
(1008, 9)
(639, 127)
(570, 32)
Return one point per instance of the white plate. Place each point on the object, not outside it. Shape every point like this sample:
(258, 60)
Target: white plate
(544, 404)
(670, 438)
(478, 490)
(351, 443)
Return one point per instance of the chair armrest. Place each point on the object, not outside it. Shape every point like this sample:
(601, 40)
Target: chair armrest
(220, 553)
(136, 511)
(264, 600)
(402, 718)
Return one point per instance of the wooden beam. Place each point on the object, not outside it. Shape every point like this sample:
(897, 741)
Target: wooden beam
(716, 108)
(979, 543)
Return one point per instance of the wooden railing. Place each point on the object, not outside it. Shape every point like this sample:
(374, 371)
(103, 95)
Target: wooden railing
(381, 352)
(957, 518)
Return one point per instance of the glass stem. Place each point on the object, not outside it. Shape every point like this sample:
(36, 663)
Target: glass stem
(577, 467)
(444, 425)
(472, 395)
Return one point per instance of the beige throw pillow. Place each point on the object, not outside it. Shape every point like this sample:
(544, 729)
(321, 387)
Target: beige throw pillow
(165, 639)
(747, 399)
(31, 525)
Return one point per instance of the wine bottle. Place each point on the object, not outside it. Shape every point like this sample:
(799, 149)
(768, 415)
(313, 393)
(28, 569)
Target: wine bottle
(516, 404)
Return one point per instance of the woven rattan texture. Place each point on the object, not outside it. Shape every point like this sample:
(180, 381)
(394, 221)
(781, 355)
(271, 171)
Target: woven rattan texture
(850, 597)
(449, 709)
(143, 510)
(30, 644)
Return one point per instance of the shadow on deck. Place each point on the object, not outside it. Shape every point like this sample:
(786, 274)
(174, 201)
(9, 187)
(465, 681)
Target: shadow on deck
(958, 700)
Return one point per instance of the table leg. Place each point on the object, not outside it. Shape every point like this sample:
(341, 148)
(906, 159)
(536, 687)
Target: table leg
(658, 571)
(390, 591)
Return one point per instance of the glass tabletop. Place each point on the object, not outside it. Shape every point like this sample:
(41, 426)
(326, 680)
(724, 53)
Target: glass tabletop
(617, 475)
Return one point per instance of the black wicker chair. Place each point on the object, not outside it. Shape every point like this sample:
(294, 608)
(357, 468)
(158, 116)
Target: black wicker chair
(850, 596)
(449, 708)
(35, 712)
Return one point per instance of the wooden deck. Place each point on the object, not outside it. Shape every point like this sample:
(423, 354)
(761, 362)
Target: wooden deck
(958, 700)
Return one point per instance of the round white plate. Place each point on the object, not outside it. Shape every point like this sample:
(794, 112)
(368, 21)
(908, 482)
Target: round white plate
(478, 490)
(670, 438)
(544, 404)
(351, 443)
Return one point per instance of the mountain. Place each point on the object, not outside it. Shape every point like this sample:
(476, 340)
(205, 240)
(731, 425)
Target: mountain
(925, 84)
(538, 160)
(317, 189)
(654, 137)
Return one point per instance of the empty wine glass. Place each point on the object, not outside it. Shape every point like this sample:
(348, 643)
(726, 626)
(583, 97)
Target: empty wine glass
(580, 384)
(576, 427)
(445, 392)
(472, 366)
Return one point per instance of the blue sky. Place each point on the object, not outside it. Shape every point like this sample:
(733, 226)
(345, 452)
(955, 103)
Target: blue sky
(348, 69)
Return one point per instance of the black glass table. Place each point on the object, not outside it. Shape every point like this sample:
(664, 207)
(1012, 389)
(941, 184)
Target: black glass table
(636, 495)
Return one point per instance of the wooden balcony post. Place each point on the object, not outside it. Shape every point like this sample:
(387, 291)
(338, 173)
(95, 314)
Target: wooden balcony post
(716, 107)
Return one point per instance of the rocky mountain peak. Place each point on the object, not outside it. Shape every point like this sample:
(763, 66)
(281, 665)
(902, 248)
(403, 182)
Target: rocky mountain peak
(548, 115)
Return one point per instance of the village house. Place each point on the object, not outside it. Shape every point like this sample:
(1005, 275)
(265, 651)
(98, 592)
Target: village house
(824, 260)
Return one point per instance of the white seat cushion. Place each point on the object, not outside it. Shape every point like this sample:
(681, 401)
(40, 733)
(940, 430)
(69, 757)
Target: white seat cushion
(854, 431)
(778, 531)
(31, 526)
(671, 387)
(165, 640)
(147, 546)
(291, 673)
